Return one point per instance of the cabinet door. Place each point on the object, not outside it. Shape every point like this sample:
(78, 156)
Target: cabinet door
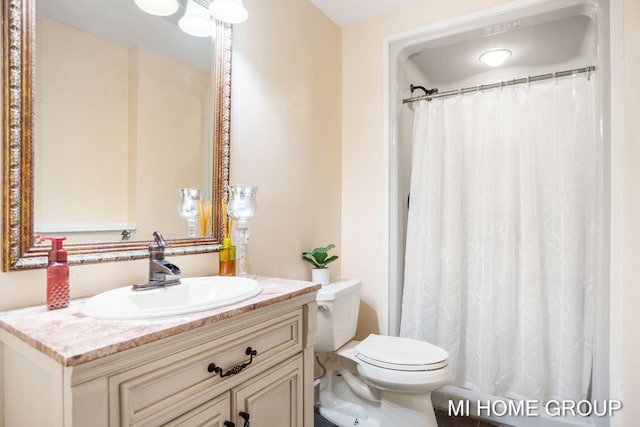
(181, 381)
(273, 399)
(211, 414)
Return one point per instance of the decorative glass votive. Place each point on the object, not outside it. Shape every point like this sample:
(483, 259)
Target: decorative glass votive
(188, 208)
(242, 207)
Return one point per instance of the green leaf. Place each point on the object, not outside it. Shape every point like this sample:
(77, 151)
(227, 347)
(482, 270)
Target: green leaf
(319, 257)
(330, 259)
(310, 260)
(328, 248)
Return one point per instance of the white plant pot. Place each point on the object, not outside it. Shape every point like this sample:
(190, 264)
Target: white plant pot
(320, 275)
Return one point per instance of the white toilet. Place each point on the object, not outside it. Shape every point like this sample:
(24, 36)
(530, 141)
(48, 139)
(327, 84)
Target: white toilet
(396, 375)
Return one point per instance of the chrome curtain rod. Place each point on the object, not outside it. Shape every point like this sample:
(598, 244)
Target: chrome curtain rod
(529, 79)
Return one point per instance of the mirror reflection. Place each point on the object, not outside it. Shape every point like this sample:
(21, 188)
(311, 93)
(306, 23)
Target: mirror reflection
(122, 123)
(106, 128)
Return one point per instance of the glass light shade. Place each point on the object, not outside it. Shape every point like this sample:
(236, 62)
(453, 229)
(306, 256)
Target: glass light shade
(495, 57)
(158, 7)
(230, 11)
(196, 20)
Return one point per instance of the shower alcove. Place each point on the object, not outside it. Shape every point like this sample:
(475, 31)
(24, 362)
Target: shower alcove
(544, 37)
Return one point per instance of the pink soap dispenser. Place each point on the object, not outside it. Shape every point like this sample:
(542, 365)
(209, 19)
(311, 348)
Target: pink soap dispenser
(57, 275)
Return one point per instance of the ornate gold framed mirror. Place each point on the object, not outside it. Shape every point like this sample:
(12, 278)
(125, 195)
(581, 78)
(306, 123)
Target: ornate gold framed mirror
(22, 248)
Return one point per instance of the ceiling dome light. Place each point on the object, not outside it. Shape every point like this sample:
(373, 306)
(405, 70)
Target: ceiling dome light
(196, 20)
(230, 11)
(495, 57)
(158, 7)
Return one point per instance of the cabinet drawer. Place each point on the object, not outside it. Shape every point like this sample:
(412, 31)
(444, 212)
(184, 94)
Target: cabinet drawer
(211, 414)
(163, 389)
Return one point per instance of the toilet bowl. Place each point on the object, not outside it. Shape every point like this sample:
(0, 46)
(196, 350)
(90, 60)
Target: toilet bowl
(395, 375)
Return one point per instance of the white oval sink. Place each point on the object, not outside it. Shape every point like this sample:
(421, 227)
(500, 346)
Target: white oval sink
(191, 295)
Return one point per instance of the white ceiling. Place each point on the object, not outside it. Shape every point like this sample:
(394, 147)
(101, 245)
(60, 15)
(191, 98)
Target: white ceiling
(536, 48)
(123, 23)
(350, 12)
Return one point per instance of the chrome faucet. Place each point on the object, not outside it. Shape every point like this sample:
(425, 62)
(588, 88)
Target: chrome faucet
(162, 273)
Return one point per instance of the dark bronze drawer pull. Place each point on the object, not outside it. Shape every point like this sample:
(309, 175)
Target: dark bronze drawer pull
(245, 417)
(236, 369)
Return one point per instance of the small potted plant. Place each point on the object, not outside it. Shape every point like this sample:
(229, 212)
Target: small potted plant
(319, 258)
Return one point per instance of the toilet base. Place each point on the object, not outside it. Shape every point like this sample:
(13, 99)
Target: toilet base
(342, 420)
(407, 410)
(343, 407)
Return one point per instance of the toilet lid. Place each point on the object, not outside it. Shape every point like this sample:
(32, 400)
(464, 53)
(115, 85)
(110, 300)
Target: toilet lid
(401, 354)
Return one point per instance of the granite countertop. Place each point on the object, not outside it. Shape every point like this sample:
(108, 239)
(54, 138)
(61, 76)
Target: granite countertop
(71, 338)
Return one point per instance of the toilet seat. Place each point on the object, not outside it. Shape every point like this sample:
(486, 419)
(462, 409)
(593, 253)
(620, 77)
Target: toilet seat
(401, 354)
(401, 365)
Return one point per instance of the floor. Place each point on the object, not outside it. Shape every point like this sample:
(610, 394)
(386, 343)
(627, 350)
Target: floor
(445, 420)
(441, 416)
(319, 421)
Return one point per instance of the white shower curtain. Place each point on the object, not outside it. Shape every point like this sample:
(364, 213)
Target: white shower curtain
(500, 265)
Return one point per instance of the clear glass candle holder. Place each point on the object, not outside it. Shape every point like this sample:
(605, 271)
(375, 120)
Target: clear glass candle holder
(242, 207)
(188, 208)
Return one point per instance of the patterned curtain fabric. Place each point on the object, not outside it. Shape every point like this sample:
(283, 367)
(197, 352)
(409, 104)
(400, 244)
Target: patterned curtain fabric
(502, 237)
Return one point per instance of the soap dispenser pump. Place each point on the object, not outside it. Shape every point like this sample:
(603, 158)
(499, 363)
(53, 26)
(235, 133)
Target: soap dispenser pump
(57, 275)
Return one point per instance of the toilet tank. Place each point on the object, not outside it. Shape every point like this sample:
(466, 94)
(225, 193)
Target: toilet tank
(338, 307)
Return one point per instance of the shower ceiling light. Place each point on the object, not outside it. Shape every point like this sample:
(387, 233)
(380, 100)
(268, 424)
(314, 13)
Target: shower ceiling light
(495, 57)
(196, 20)
(158, 7)
(230, 11)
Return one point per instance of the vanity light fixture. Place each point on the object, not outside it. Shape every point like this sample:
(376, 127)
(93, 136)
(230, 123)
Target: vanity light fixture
(158, 7)
(495, 57)
(229, 11)
(196, 20)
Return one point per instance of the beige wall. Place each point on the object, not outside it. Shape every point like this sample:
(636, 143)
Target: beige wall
(285, 130)
(74, 69)
(151, 108)
(285, 139)
(168, 137)
(630, 244)
(363, 177)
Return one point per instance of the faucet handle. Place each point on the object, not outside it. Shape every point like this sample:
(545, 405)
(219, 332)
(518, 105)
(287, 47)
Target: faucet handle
(159, 240)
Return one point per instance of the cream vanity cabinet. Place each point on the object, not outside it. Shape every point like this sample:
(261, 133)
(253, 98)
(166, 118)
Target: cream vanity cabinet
(253, 368)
